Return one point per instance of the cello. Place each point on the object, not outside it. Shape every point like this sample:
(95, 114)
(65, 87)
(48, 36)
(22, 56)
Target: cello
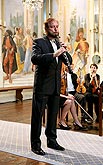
(80, 88)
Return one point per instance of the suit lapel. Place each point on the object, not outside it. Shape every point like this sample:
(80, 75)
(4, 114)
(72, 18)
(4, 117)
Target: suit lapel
(51, 48)
(49, 44)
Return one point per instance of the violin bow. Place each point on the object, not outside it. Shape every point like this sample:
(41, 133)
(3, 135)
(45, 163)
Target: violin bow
(83, 109)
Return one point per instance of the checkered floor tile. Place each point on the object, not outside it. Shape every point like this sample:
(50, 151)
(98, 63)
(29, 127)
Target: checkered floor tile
(81, 148)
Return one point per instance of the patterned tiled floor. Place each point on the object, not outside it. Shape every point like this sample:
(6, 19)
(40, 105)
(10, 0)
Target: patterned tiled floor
(81, 148)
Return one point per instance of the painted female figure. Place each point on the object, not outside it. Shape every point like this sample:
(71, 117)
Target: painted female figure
(80, 54)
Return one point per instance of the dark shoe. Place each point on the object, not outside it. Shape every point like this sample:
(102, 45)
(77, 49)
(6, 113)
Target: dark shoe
(63, 127)
(78, 127)
(55, 146)
(38, 151)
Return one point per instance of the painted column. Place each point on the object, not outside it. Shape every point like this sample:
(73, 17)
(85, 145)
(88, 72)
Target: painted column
(61, 19)
(31, 19)
(100, 66)
(101, 29)
(25, 17)
(40, 22)
(49, 8)
(66, 18)
(90, 33)
(1, 34)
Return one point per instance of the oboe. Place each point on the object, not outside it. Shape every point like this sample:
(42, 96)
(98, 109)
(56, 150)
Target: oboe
(68, 63)
(66, 57)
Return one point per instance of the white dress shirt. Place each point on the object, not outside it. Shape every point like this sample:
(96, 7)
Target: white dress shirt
(70, 86)
(54, 47)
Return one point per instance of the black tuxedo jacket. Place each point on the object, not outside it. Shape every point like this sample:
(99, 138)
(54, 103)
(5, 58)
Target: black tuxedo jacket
(47, 78)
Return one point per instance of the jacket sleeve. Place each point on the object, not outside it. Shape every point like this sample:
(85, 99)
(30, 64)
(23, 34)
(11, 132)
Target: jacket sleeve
(40, 55)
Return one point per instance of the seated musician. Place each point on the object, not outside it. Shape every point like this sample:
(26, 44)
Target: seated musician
(75, 88)
(92, 84)
(67, 100)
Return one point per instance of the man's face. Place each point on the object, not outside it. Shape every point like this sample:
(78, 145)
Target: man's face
(53, 29)
(93, 69)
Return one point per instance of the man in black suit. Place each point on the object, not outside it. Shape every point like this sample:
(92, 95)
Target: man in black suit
(47, 55)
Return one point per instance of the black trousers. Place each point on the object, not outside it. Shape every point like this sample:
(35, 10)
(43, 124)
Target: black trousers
(39, 103)
(92, 98)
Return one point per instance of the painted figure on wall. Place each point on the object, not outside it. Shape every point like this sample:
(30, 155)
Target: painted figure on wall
(9, 59)
(80, 54)
(28, 45)
(68, 42)
(20, 55)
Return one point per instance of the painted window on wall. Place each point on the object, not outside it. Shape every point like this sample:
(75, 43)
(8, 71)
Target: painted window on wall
(14, 14)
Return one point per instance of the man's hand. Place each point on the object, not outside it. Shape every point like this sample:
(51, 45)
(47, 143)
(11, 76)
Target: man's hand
(59, 52)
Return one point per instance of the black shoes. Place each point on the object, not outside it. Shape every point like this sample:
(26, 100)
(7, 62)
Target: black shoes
(78, 127)
(55, 146)
(63, 127)
(38, 151)
(52, 145)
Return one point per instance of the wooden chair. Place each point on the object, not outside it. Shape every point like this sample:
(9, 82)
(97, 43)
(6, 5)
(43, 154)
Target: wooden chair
(100, 110)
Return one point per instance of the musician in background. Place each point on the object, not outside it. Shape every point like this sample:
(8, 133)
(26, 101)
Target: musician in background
(68, 86)
(92, 84)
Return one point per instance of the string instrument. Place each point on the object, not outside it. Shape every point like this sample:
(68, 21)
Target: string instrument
(80, 88)
(63, 80)
(95, 84)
